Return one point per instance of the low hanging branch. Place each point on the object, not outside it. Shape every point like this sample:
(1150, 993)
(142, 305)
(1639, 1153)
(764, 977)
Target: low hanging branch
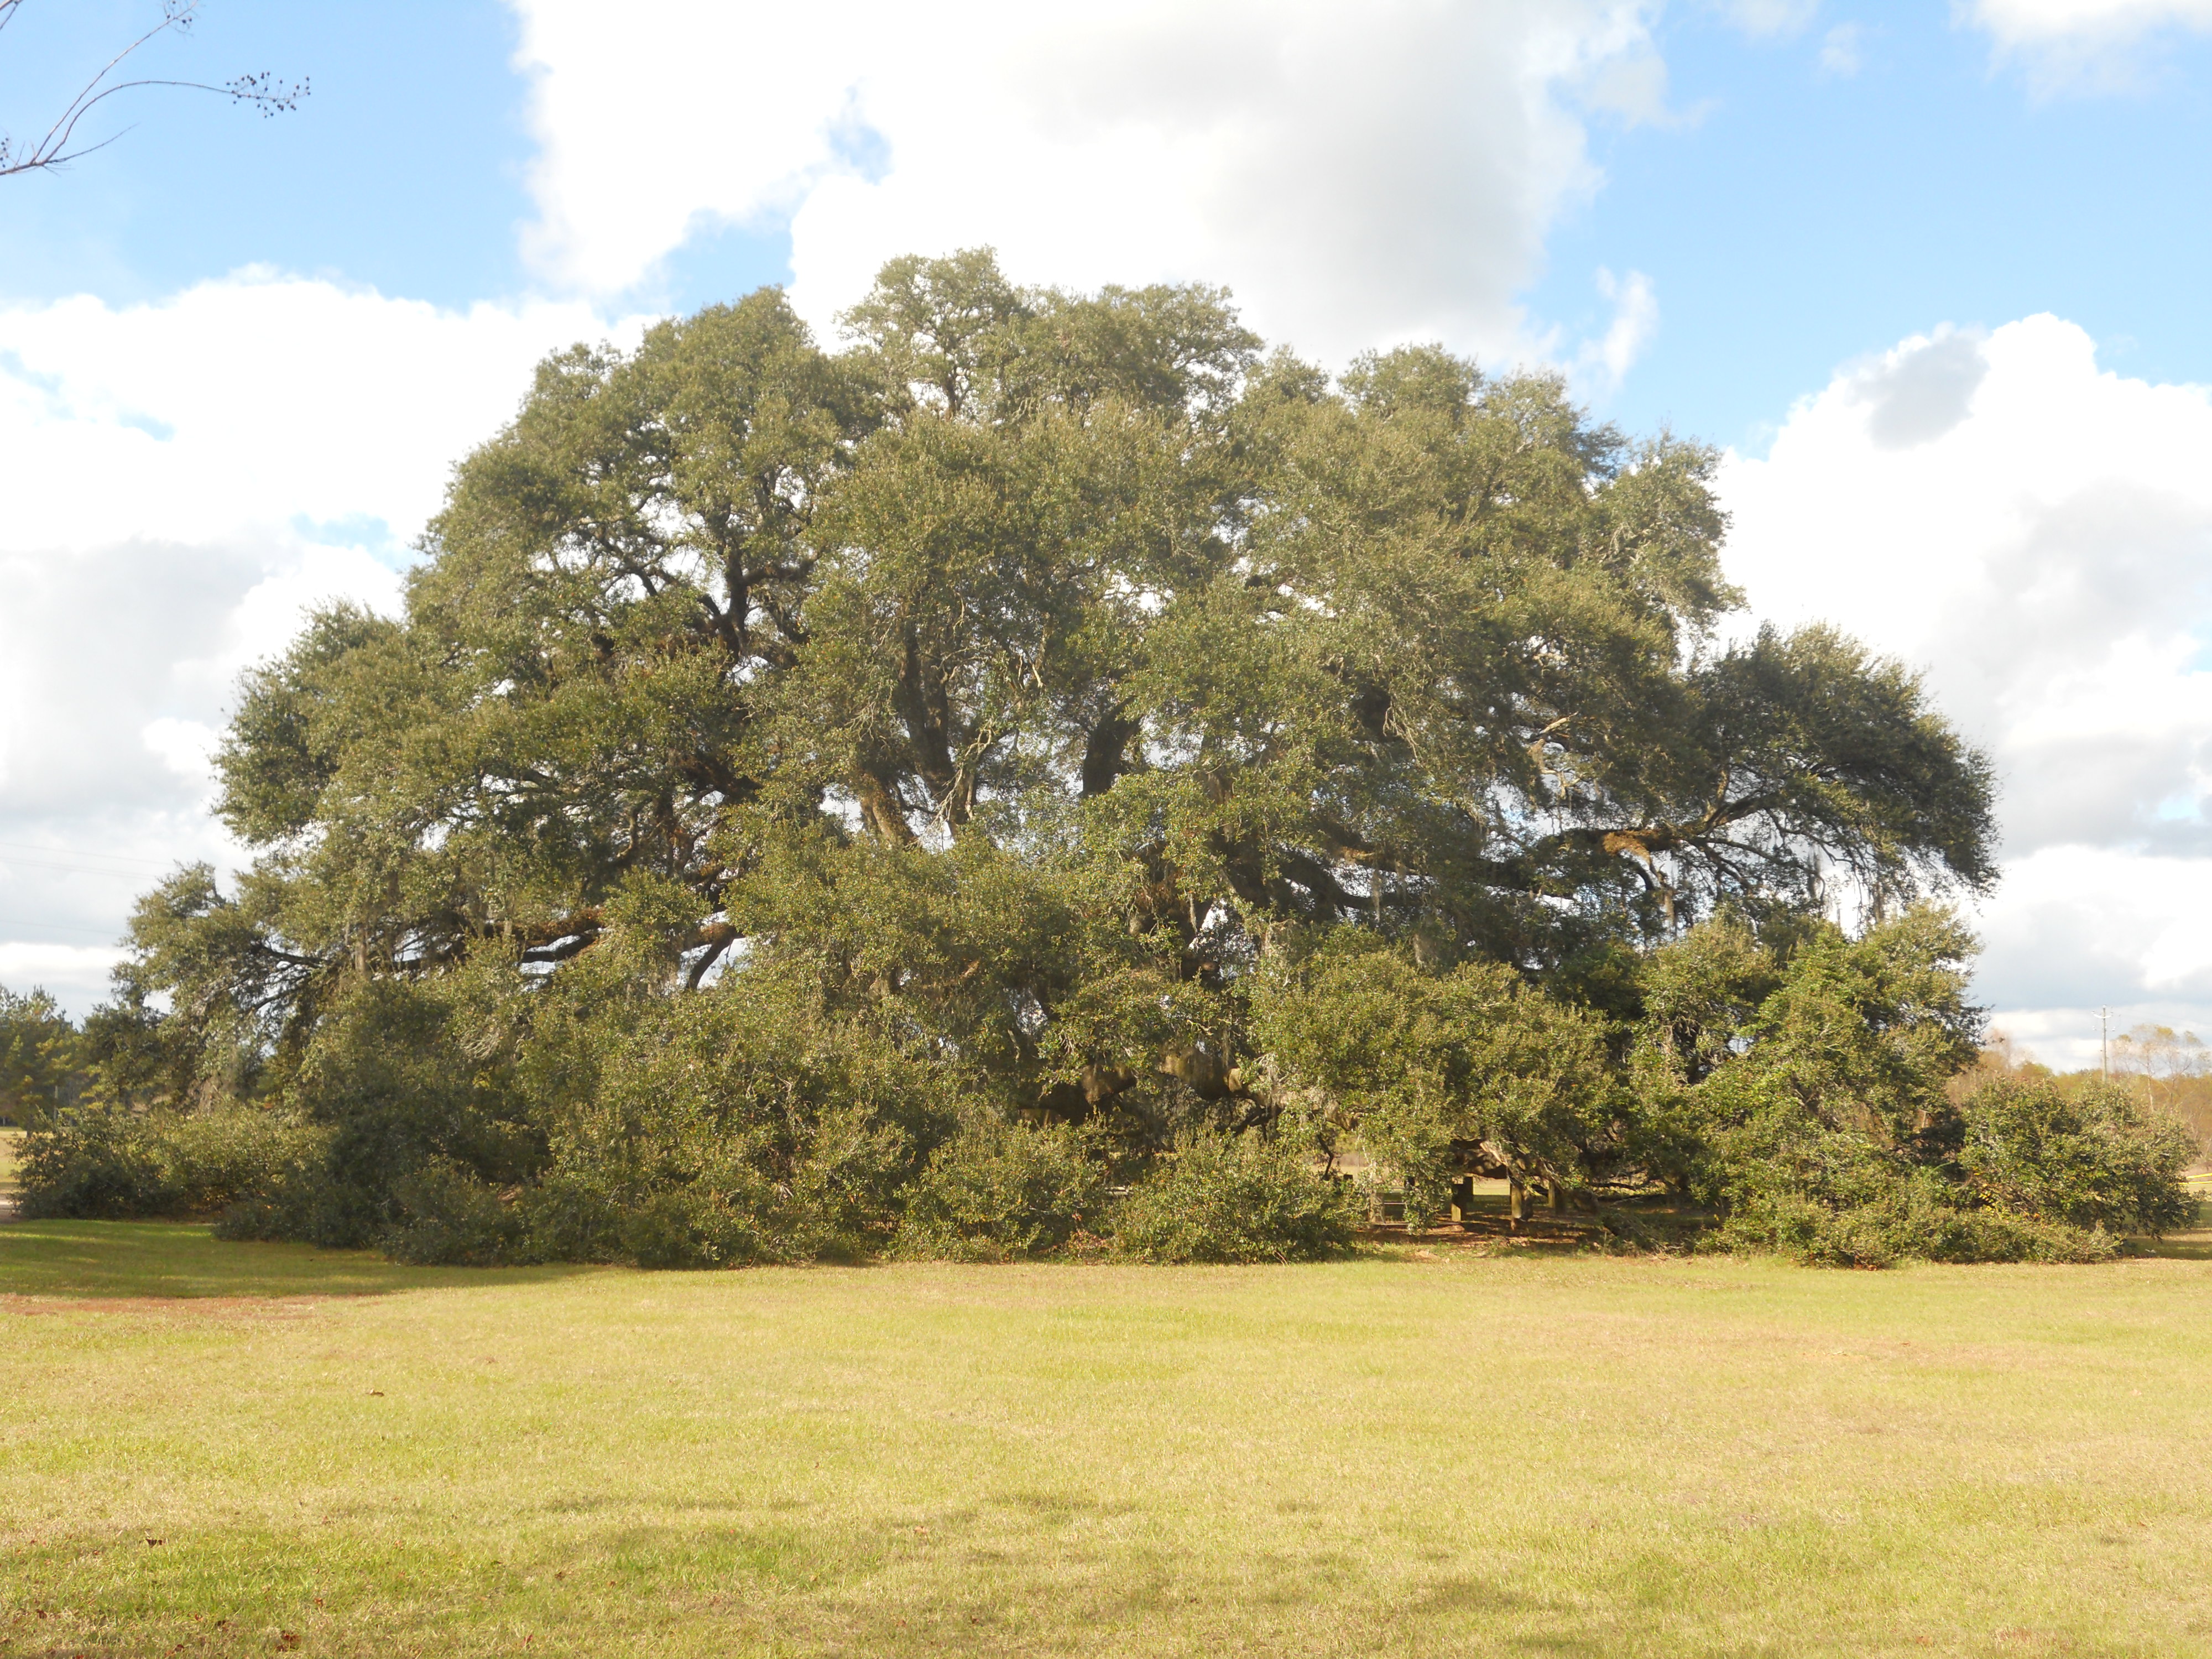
(60, 144)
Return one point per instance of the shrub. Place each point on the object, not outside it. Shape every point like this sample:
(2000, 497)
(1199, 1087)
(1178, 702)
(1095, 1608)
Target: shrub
(2096, 1158)
(733, 1127)
(1428, 1062)
(452, 1218)
(703, 1207)
(1913, 1223)
(714, 1223)
(300, 1202)
(98, 1161)
(998, 1190)
(108, 1161)
(1240, 1198)
(402, 1095)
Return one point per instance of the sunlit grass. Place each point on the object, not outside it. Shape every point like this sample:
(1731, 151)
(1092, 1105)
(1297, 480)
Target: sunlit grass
(1471, 1453)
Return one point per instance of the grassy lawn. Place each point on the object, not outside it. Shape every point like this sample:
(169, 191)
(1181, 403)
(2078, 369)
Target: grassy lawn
(1434, 1453)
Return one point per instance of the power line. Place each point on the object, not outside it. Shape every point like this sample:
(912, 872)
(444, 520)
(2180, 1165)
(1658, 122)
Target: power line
(11, 861)
(7, 847)
(109, 933)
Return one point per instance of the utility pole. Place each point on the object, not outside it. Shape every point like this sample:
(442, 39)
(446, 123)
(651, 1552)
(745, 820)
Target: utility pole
(2104, 1040)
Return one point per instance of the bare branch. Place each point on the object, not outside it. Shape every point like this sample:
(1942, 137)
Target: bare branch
(59, 146)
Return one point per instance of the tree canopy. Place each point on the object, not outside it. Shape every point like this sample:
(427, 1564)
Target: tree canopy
(1058, 709)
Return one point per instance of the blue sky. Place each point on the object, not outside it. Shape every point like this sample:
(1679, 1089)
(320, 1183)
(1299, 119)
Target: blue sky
(1790, 217)
(1932, 274)
(1799, 218)
(403, 169)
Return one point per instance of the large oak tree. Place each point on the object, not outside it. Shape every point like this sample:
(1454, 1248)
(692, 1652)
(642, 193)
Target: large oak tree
(1025, 675)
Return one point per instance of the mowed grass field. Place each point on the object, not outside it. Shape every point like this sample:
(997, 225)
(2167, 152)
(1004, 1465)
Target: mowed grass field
(219, 1449)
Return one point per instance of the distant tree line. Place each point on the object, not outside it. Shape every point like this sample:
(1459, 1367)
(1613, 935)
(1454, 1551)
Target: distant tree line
(1051, 775)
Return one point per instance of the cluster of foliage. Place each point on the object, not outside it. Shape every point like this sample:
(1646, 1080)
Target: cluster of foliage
(1823, 1094)
(106, 1161)
(121, 1124)
(124, 1054)
(41, 1069)
(1049, 772)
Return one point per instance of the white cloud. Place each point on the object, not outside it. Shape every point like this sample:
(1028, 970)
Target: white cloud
(253, 400)
(1768, 16)
(2096, 45)
(1603, 363)
(183, 480)
(2039, 22)
(76, 974)
(117, 664)
(1840, 52)
(2037, 534)
(1358, 173)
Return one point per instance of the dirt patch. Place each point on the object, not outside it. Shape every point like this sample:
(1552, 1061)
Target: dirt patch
(193, 1307)
(1557, 1231)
